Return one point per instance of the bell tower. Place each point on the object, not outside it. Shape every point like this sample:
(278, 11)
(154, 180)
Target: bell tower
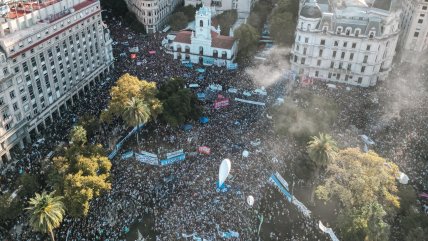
(203, 23)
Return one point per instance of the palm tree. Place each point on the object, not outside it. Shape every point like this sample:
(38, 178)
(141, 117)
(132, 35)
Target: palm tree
(46, 212)
(136, 113)
(321, 150)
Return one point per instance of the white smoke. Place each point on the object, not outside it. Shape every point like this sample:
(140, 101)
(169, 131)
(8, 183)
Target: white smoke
(273, 69)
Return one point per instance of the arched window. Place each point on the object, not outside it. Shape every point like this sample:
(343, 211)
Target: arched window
(201, 23)
(371, 35)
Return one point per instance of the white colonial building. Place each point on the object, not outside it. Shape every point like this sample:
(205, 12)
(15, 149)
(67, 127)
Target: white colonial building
(50, 53)
(346, 41)
(204, 44)
(153, 14)
(414, 37)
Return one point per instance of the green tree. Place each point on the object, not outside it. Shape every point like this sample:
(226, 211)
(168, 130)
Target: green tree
(80, 178)
(90, 123)
(282, 21)
(178, 21)
(78, 135)
(366, 187)
(259, 14)
(365, 223)
(10, 208)
(226, 20)
(29, 184)
(248, 39)
(127, 87)
(136, 113)
(46, 213)
(282, 27)
(321, 150)
(179, 104)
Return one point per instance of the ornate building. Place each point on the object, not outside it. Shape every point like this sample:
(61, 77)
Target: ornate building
(414, 37)
(346, 41)
(204, 44)
(50, 53)
(153, 14)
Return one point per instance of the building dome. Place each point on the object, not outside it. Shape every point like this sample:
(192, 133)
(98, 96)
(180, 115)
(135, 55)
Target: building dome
(311, 10)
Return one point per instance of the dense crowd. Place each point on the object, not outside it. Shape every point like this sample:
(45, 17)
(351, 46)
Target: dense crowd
(181, 199)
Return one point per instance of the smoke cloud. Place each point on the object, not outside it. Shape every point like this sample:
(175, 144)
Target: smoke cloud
(272, 69)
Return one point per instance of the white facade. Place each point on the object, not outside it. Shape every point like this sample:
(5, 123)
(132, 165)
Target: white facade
(153, 14)
(346, 41)
(47, 57)
(204, 45)
(414, 36)
(243, 7)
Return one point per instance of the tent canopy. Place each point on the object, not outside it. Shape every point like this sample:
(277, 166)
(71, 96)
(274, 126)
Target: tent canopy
(187, 127)
(203, 120)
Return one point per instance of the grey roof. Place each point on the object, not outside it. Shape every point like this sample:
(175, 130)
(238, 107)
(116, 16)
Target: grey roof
(311, 11)
(382, 4)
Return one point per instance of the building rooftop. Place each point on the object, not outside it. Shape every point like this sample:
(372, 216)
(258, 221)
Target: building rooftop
(217, 41)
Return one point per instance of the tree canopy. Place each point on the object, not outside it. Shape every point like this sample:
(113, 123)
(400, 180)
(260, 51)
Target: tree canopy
(226, 20)
(248, 39)
(128, 87)
(366, 187)
(178, 21)
(80, 173)
(46, 213)
(179, 104)
(282, 21)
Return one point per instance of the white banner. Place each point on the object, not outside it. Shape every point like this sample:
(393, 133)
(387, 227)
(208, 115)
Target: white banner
(173, 154)
(250, 102)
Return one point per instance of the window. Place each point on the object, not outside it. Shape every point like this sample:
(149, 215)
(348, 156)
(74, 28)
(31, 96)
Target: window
(15, 106)
(420, 21)
(316, 73)
(12, 94)
(360, 80)
(416, 34)
(306, 40)
(338, 76)
(363, 68)
(302, 61)
(368, 47)
(354, 45)
(334, 54)
(336, 43)
(332, 64)
(319, 62)
(345, 44)
(357, 32)
(351, 57)
(339, 30)
(371, 35)
(348, 32)
(322, 42)
(365, 59)
(320, 53)
(329, 75)
(201, 23)
(424, 7)
(342, 56)
(304, 51)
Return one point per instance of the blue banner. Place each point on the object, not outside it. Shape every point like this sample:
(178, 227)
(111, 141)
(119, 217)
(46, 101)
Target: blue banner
(232, 66)
(127, 155)
(173, 159)
(148, 159)
(208, 61)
